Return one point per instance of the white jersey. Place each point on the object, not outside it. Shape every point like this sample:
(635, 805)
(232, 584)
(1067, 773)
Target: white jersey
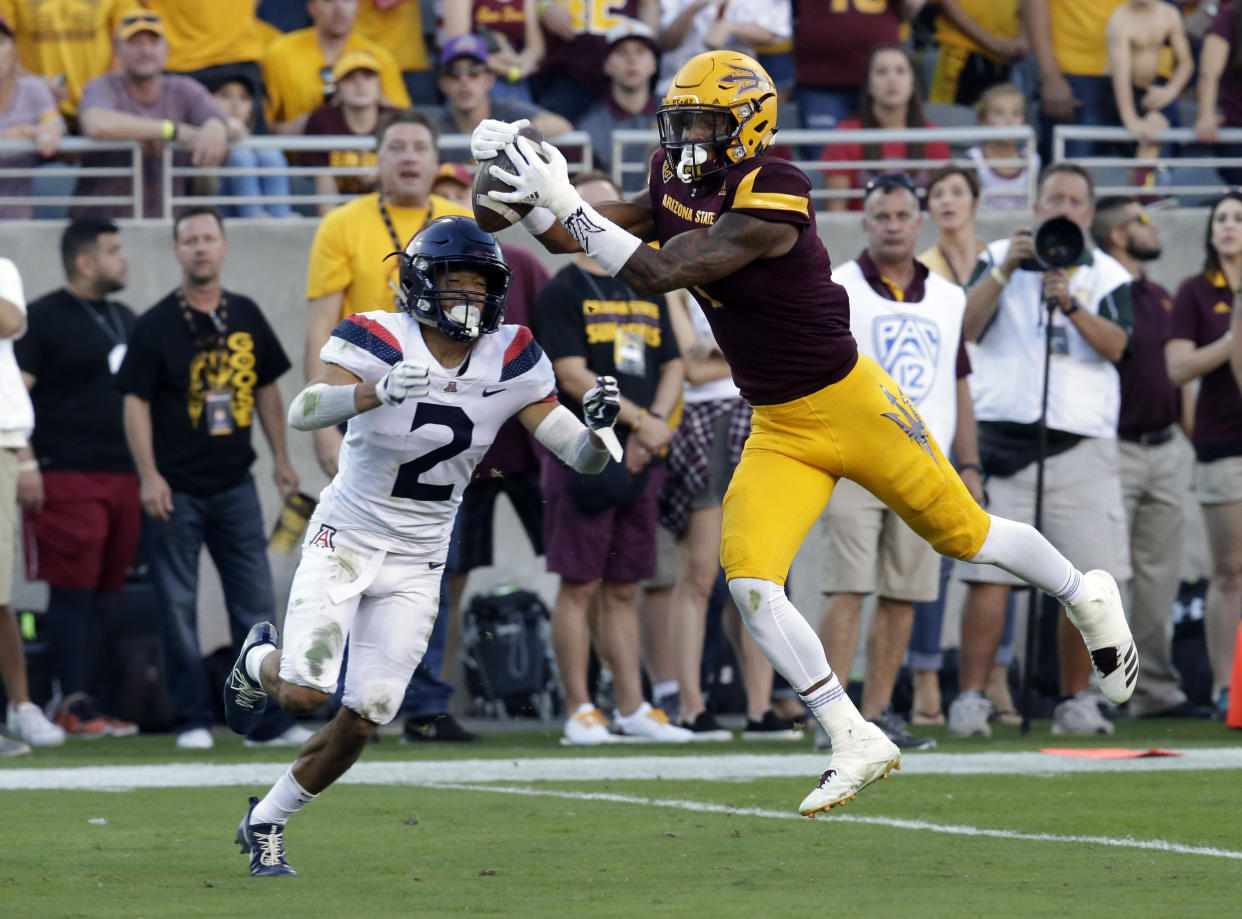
(403, 468)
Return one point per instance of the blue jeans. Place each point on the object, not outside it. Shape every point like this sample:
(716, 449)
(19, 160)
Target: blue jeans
(253, 186)
(821, 109)
(923, 652)
(230, 524)
(427, 694)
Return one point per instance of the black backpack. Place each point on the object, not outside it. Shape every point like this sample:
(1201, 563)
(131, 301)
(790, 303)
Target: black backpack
(506, 652)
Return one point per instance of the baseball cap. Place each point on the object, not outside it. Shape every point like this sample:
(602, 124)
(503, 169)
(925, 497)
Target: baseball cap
(455, 172)
(145, 21)
(468, 45)
(358, 59)
(632, 28)
(6, 28)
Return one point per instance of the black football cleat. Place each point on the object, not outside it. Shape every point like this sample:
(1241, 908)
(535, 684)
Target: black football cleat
(244, 699)
(265, 844)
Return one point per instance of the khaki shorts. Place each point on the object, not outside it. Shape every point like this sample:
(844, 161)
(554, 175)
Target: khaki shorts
(666, 561)
(1220, 481)
(8, 523)
(869, 549)
(1084, 512)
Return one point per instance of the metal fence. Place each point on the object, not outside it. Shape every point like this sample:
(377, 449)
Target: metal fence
(67, 166)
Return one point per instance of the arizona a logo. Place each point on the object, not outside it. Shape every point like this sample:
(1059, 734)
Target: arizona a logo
(908, 347)
(324, 538)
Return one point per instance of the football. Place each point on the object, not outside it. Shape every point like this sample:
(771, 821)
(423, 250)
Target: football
(491, 215)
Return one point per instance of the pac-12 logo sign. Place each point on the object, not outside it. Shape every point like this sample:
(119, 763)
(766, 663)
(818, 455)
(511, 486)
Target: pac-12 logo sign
(908, 347)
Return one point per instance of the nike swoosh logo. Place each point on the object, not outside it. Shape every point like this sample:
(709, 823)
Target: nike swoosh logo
(434, 565)
(491, 392)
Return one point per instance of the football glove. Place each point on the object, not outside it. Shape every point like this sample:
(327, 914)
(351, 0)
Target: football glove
(408, 380)
(491, 136)
(602, 403)
(541, 180)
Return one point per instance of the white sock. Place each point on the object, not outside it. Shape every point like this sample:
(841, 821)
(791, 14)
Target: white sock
(254, 660)
(834, 710)
(665, 688)
(1023, 551)
(285, 799)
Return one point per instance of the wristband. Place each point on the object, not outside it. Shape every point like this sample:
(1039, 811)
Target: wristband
(600, 238)
(515, 73)
(169, 129)
(28, 465)
(655, 414)
(999, 276)
(965, 466)
(1072, 310)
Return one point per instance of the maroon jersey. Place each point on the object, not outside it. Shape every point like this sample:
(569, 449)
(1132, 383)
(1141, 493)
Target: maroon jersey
(832, 40)
(1149, 400)
(782, 323)
(582, 59)
(507, 17)
(1202, 312)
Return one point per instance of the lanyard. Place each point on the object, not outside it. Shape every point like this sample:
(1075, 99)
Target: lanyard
(399, 246)
(113, 327)
(219, 319)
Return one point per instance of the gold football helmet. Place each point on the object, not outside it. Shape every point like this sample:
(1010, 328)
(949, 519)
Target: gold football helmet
(720, 110)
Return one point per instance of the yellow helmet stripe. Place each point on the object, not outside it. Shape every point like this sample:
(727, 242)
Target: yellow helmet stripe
(746, 196)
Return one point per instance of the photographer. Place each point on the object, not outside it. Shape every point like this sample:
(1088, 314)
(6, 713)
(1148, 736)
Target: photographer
(1010, 302)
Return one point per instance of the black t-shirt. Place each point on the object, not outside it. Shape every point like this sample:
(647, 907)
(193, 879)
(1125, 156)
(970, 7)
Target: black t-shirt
(618, 332)
(66, 349)
(189, 376)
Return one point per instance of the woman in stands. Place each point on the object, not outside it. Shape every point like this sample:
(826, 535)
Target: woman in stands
(235, 95)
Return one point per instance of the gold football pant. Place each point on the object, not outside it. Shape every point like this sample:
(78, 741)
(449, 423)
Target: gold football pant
(861, 428)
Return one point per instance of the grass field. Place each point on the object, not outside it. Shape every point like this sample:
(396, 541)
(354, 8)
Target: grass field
(710, 830)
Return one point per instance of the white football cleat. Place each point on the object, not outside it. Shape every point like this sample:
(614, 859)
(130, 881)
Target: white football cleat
(866, 757)
(1102, 622)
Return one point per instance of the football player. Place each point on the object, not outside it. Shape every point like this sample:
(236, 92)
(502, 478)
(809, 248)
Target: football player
(736, 227)
(423, 391)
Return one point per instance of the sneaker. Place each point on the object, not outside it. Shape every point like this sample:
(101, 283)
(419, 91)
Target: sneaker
(195, 739)
(1080, 715)
(894, 728)
(79, 718)
(1102, 622)
(119, 727)
(10, 747)
(867, 757)
(265, 844)
(705, 727)
(27, 723)
(293, 736)
(244, 698)
(969, 714)
(437, 727)
(772, 727)
(650, 724)
(587, 726)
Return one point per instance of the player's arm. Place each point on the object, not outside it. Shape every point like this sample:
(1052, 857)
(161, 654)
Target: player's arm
(580, 446)
(337, 394)
(633, 216)
(323, 313)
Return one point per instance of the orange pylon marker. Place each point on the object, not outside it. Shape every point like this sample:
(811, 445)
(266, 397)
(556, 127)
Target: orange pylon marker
(1234, 716)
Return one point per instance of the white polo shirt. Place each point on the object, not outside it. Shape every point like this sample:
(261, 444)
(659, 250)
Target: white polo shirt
(16, 412)
(1084, 391)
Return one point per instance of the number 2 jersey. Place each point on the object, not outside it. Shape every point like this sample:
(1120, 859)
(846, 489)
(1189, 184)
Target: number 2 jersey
(782, 323)
(403, 467)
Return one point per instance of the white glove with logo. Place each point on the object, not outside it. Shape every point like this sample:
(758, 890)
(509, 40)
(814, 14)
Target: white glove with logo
(408, 380)
(541, 180)
(600, 406)
(491, 136)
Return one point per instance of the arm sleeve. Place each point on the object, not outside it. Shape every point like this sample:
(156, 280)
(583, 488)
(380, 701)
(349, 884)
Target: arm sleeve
(330, 270)
(362, 345)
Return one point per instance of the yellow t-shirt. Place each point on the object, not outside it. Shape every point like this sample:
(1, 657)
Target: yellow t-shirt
(398, 29)
(1078, 34)
(999, 17)
(293, 67)
(349, 248)
(67, 38)
(206, 34)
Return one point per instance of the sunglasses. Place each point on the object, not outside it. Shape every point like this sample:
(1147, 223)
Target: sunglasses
(1142, 217)
(470, 70)
(891, 180)
(148, 18)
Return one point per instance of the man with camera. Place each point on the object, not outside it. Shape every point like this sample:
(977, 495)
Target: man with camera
(1039, 300)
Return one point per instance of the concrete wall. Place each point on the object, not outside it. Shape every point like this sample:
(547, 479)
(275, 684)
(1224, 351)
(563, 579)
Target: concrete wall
(268, 262)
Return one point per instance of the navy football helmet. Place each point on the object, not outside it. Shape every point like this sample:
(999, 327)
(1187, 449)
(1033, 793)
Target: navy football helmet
(445, 245)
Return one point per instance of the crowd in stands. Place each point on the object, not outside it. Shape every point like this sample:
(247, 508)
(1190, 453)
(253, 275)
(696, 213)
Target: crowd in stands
(206, 76)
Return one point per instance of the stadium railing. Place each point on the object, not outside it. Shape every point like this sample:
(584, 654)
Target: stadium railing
(71, 147)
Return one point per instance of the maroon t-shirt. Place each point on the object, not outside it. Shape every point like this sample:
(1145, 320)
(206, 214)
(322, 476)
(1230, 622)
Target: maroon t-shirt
(582, 58)
(1149, 400)
(782, 323)
(511, 452)
(329, 121)
(1230, 87)
(507, 17)
(1202, 312)
(830, 49)
(890, 150)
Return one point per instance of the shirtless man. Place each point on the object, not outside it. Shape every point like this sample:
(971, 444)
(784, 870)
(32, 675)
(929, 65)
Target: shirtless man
(1138, 31)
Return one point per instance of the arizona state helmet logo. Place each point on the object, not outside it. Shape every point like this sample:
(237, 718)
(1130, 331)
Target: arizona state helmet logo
(742, 79)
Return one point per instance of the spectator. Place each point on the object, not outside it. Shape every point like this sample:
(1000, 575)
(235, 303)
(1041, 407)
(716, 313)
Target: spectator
(952, 202)
(297, 68)
(833, 49)
(890, 99)
(66, 44)
(25, 720)
(349, 274)
(467, 84)
(27, 112)
(600, 535)
(629, 105)
(1155, 474)
(977, 44)
(897, 310)
(1198, 349)
(235, 95)
(690, 27)
(1082, 506)
(81, 496)
(356, 108)
(1002, 186)
(397, 27)
(514, 39)
(1138, 32)
(572, 77)
(201, 364)
(1220, 81)
(510, 466)
(141, 102)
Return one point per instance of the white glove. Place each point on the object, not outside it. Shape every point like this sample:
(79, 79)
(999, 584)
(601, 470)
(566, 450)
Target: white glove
(408, 380)
(544, 184)
(491, 136)
(602, 403)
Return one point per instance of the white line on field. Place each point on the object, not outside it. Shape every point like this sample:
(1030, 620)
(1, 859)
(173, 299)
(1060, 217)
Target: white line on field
(1158, 845)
